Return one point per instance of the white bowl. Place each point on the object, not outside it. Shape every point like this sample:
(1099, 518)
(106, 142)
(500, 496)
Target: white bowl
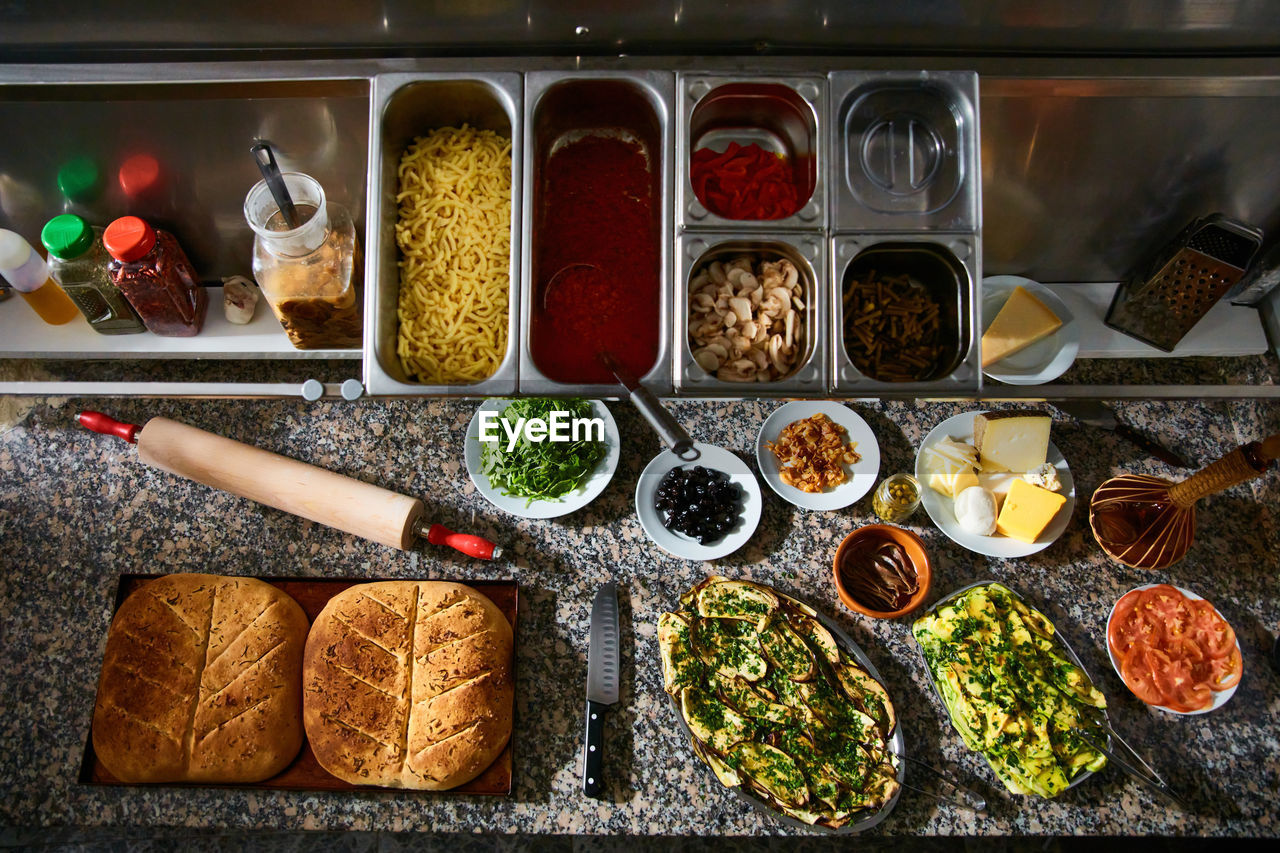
(862, 474)
(677, 543)
(1220, 697)
(586, 492)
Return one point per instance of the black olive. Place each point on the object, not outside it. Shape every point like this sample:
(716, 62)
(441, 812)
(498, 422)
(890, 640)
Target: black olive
(698, 502)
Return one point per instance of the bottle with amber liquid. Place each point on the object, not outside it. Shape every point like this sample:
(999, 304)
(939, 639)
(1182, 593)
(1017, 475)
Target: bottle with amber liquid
(27, 273)
(153, 272)
(78, 262)
(309, 273)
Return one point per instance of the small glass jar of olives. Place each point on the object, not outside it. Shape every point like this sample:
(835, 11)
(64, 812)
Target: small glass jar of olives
(896, 498)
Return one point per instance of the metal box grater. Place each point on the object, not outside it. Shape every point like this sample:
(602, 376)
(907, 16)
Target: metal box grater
(1160, 305)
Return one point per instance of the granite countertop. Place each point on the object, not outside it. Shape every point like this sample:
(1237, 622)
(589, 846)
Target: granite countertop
(77, 510)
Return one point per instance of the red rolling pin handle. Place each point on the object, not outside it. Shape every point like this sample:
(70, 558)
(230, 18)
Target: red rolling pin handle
(107, 425)
(472, 546)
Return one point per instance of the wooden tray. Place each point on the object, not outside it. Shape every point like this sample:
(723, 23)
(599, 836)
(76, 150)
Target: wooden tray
(305, 773)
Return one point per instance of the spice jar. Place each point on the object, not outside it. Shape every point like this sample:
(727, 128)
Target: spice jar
(896, 498)
(308, 273)
(78, 261)
(153, 272)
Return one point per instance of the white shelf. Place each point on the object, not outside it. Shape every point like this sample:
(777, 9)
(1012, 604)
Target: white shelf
(1227, 330)
(24, 335)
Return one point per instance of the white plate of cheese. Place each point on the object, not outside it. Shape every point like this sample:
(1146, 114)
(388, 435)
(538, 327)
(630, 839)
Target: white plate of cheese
(939, 506)
(1047, 358)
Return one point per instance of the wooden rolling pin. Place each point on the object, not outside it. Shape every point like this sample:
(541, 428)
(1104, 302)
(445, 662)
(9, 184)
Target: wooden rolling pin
(322, 496)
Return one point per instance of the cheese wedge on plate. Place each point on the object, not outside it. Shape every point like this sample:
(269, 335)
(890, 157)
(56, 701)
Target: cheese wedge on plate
(1027, 511)
(1021, 322)
(1015, 440)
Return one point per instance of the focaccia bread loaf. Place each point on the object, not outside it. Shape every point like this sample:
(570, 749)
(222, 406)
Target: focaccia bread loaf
(201, 682)
(407, 684)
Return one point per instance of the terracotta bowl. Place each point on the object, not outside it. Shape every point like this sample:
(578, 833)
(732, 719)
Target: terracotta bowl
(912, 544)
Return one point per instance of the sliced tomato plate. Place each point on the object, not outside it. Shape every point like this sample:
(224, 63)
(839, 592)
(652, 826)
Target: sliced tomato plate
(1187, 662)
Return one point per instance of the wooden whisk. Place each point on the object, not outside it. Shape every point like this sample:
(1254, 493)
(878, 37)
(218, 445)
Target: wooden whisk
(1149, 523)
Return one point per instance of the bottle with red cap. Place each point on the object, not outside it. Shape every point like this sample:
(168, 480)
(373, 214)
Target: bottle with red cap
(78, 262)
(153, 272)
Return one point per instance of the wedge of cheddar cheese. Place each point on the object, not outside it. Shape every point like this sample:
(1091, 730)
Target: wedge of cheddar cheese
(1021, 322)
(1027, 511)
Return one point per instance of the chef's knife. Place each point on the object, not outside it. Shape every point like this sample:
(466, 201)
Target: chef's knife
(1096, 414)
(603, 666)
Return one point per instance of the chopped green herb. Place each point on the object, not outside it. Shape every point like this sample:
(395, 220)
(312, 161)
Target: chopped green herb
(545, 470)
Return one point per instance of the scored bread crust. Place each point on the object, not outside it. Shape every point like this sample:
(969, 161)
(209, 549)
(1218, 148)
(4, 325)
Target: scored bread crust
(201, 682)
(408, 684)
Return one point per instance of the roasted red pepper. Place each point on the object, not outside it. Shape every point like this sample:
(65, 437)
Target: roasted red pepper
(744, 182)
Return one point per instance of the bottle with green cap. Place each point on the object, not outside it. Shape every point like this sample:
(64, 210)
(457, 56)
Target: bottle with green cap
(27, 273)
(78, 262)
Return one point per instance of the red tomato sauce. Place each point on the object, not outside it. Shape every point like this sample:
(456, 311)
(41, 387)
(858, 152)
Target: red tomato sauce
(597, 246)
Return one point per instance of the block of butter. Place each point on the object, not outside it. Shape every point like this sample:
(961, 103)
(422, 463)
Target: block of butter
(1027, 511)
(1016, 440)
(1021, 322)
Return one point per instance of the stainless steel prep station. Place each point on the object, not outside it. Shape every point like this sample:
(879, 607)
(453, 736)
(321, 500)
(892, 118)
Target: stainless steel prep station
(808, 252)
(555, 114)
(906, 182)
(889, 156)
(785, 115)
(406, 106)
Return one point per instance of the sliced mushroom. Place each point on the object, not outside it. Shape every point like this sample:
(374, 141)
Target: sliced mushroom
(791, 275)
(707, 359)
(741, 306)
(775, 354)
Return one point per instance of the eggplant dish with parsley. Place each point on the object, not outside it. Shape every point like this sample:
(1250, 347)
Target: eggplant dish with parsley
(775, 706)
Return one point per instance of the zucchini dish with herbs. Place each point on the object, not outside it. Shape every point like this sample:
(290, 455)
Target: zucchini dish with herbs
(1011, 692)
(774, 704)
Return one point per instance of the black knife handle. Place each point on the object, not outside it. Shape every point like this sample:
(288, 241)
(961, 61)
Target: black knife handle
(593, 752)
(1163, 454)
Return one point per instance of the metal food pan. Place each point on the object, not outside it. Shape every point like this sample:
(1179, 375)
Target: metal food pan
(406, 106)
(1057, 635)
(896, 742)
(808, 253)
(786, 115)
(904, 151)
(562, 107)
(950, 266)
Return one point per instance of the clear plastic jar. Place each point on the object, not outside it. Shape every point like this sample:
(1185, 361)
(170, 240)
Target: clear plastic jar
(78, 261)
(153, 272)
(309, 274)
